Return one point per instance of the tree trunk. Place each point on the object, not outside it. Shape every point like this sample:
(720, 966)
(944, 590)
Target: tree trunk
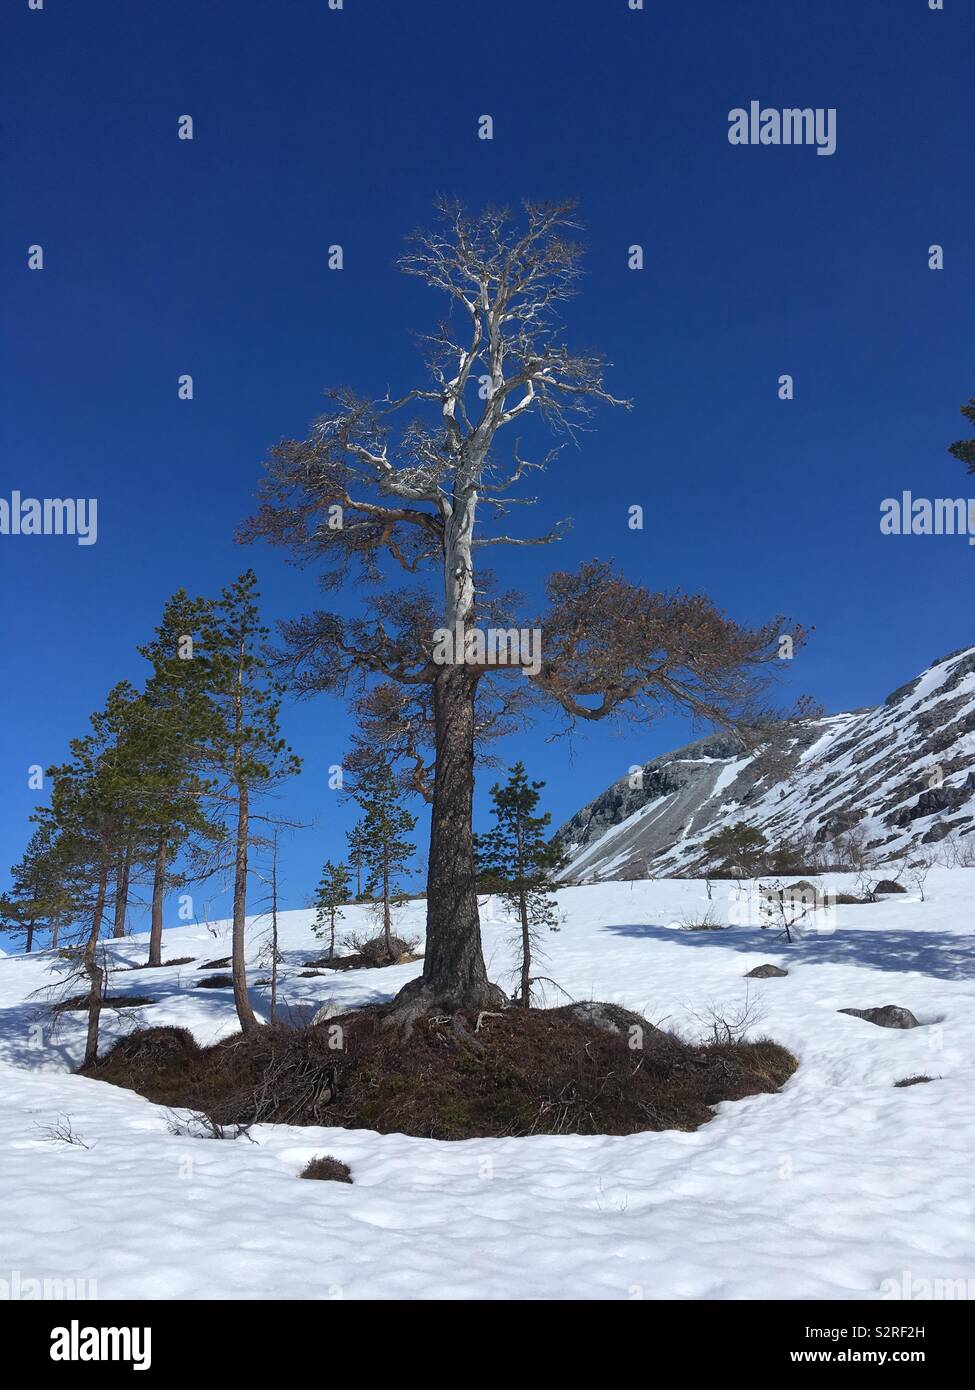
(246, 1015)
(274, 931)
(387, 916)
(96, 975)
(526, 954)
(454, 976)
(55, 931)
(122, 876)
(30, 937)
(158, 896)
(526, 940)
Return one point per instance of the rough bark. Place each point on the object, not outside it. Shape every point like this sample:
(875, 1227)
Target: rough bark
(30, 937)
(387, 915)
(158, 896)
(526, 957)
(123, 872)
(454, 976)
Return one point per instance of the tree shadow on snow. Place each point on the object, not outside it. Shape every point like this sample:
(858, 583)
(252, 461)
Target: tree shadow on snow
(943, 955)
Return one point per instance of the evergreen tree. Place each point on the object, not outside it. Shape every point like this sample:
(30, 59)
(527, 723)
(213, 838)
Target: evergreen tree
(738, 851)
(332, 893)
(99, 805)
(518, 861)
(180, 724)
(357, 857)
(41, 895)
(124, 726)
(248, 750)
(385, 824)
(964, 449)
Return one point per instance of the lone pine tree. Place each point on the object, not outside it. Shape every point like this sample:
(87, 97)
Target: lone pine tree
(383, 829)
(738, 850)
(330, 897)
(417, 482)
(517, 861)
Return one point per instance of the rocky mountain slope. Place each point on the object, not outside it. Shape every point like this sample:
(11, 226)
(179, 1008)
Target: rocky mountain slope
(903, 772)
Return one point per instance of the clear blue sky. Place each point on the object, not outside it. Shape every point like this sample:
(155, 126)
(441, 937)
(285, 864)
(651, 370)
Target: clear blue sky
(315, 126)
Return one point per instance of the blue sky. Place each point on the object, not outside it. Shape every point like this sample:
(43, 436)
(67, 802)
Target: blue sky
(314, 126)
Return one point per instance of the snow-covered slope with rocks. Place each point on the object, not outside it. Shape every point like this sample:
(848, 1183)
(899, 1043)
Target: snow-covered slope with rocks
(904, 771)
(841, 1186)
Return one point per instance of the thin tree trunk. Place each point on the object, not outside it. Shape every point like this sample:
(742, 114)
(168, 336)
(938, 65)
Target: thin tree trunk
(526, 942)
(55, 932)
(331, 944)
(274, 932)
(93, 970)
(246, 1015)
(122, 875)
(30, 937)
(526, 954)
(387, 916)
(158, 897)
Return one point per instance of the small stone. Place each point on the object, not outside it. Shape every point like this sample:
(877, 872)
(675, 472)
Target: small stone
(765, 972)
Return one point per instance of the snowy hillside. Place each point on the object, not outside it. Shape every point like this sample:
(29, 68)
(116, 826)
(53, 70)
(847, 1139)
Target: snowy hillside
(841, 1186)
(904, 771)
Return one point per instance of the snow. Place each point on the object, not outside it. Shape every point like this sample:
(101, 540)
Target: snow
(728, 774)
(837, 1187)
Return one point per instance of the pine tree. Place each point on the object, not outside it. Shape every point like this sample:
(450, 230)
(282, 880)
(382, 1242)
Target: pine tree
(738, 851)
(248, 750)
(332, 893)
(964, 449)
(99, 805)
(382, 830)
(519, 862)
(42, 895)
(180, 724)
(357, 857)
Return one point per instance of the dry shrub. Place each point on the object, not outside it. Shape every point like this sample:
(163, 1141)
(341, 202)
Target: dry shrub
(327, 1169)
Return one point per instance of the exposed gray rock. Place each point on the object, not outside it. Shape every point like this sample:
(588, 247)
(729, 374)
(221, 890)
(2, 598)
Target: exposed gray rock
(326, 1012)
(885, 1016)
(887, 885)
(765, 972)
(611, 1018)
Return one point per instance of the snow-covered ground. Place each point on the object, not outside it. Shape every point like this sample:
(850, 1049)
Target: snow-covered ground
(841, 1186)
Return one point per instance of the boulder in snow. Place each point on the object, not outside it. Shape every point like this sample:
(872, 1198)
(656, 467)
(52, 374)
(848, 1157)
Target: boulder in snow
(765, 972)
(885, 1016)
